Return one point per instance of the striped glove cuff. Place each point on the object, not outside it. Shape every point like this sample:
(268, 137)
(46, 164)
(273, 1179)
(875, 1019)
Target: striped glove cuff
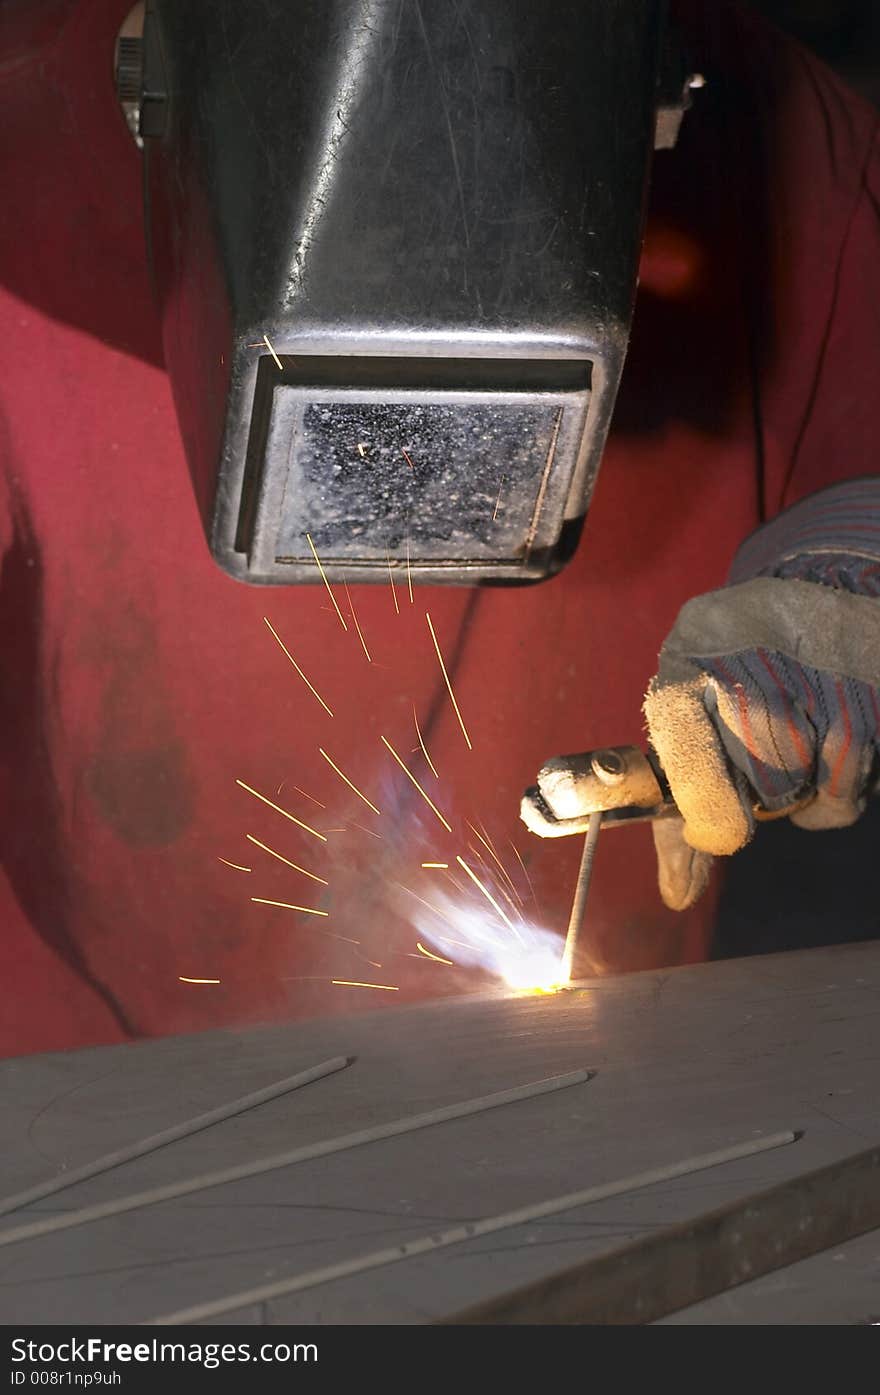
(832, 538)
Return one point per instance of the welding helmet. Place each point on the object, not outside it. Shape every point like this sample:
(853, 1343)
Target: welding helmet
(395, 247)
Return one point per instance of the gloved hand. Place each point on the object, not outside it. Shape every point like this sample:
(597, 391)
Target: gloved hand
(767, 690)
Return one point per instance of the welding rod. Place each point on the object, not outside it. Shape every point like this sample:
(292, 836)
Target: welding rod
(469, 1230)
(70, 1177)
(581, 891)
(187, 1186)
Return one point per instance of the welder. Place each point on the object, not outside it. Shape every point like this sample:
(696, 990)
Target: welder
(139, 678)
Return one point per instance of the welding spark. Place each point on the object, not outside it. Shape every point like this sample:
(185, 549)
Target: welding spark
(306, 795)
(427, 904)
(181, 979)
(524, 872)
(312, 690)
(408, 571)
(483, 834)
(355, 619)
(407, 457)
(509, 899)
(448, 684)
(428, 955)
(460, 887)
(272, 352)
(236, 866)
(351, 786)
(423, 746)
(447, 940)
(487, 844)
(489, 897)
(498, 500)
(362, 449)
(435, 864)
(501, 891)
(391, 580)
(278, 809)
(272, 853)
(286, 906)
(354, 983)
(363, 828)
(422, 792)
(326, 582)
(304, 978)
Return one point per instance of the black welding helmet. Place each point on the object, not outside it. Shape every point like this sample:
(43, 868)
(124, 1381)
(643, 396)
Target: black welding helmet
(395, 245)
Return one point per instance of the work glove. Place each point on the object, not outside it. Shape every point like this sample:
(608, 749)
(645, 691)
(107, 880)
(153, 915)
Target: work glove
(766, 696)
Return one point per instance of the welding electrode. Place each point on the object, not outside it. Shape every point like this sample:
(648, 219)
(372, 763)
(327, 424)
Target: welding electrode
(581, 891)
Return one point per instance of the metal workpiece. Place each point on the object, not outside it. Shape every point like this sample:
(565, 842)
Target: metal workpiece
(684, 1265)
(461, 1234)
(401, 1153)
(624, 783)
(395, 248)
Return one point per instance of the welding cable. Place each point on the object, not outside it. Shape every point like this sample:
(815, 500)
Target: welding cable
(469, 1231)
(135, 1201)
(71, 1176)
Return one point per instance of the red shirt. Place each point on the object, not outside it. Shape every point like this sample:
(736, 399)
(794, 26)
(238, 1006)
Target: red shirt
(139, 682)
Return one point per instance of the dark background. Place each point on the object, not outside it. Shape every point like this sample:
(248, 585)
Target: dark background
(821, 891)
(844, 33)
